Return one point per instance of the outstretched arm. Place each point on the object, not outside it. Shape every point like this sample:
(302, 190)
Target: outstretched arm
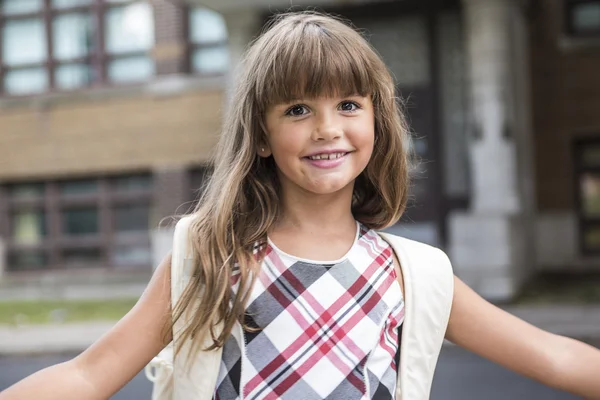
(553, 360)
(114, 359)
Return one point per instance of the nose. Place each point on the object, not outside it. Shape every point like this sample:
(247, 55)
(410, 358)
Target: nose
(327, 128)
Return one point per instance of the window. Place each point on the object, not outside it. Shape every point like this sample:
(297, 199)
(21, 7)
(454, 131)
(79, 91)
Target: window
(72, 44)
(132, 218)
(79, 188)
(583, 18)
(99, 222)
(128, 36)
(28, 226)
(208, 42)
(80, 221)
(588, 194)
(198, 178)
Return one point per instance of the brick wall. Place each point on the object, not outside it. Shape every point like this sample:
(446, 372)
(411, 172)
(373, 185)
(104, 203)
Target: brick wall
(108, 134)
(566, 103)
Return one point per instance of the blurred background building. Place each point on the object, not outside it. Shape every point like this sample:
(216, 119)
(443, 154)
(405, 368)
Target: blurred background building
(109, 111)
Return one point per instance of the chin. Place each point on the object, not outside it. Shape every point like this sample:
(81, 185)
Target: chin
(327, 187)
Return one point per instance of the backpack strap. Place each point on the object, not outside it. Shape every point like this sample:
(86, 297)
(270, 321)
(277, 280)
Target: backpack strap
(160, 370)
(196, 379)
(180, 272)
(428, 294)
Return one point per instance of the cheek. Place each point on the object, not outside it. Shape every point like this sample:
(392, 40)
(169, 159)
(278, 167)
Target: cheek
(287, 141)
(366, 142)
(368, 154)
(285, 148)
(365, 136)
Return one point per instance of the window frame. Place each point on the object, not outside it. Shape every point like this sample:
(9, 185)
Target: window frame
(570, 29)
(98, 58)
(52, 203)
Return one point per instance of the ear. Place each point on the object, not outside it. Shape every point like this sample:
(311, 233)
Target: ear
(264, 151)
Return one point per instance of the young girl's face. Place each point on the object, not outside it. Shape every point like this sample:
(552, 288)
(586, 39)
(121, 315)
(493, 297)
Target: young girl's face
(320, 145)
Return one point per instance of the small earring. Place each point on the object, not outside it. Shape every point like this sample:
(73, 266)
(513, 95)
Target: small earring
(262, 149)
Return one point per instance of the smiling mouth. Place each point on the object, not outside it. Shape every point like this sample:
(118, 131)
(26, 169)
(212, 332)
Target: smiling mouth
(329, 156)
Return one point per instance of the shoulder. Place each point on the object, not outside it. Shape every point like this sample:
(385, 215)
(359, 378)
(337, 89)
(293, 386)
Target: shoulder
(185, 222)
(425, 268)
(412, 251)
(182, 228)
(182, 246)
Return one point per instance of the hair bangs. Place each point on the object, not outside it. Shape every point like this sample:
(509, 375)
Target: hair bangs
(315, 61)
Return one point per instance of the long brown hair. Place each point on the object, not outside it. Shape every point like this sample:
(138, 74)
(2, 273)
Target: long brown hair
(299, 55)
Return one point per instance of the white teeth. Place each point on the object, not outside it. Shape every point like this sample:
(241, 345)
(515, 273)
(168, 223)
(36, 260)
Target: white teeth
(331, 156)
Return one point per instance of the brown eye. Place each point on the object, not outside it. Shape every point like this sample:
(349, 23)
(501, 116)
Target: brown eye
(349, 106)
(296, 111)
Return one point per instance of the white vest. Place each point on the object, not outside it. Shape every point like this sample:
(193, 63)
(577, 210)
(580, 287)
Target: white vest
(428, 293)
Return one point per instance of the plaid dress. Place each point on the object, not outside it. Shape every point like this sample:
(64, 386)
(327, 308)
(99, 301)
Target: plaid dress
(327, 330)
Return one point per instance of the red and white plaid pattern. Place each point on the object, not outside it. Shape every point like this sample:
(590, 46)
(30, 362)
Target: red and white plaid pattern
(326, 330)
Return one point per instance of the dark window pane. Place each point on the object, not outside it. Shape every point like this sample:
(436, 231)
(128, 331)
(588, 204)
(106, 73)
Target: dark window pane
(26, 191)
(591, 238)
(132, 255)
(27, 260)
(199, 179)
(28, 227)
(132, 183)
(80, 221)
(586, 17)
(133, 218)
(79, 187)
(591, 155)
(81, 257)
(590, 194)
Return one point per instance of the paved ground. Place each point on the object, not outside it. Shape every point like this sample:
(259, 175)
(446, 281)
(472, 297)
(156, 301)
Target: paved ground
(459, 376)
(464, 376)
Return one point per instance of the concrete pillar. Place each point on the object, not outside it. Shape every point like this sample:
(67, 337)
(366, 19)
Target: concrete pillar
(243, 25)
(492, 146)
(4, 230)
(3, 260)
(490, 244)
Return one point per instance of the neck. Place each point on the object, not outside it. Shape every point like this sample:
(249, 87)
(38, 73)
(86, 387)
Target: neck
(309, 212)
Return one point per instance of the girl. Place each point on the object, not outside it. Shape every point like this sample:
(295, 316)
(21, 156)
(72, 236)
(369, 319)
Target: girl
(311, 162)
